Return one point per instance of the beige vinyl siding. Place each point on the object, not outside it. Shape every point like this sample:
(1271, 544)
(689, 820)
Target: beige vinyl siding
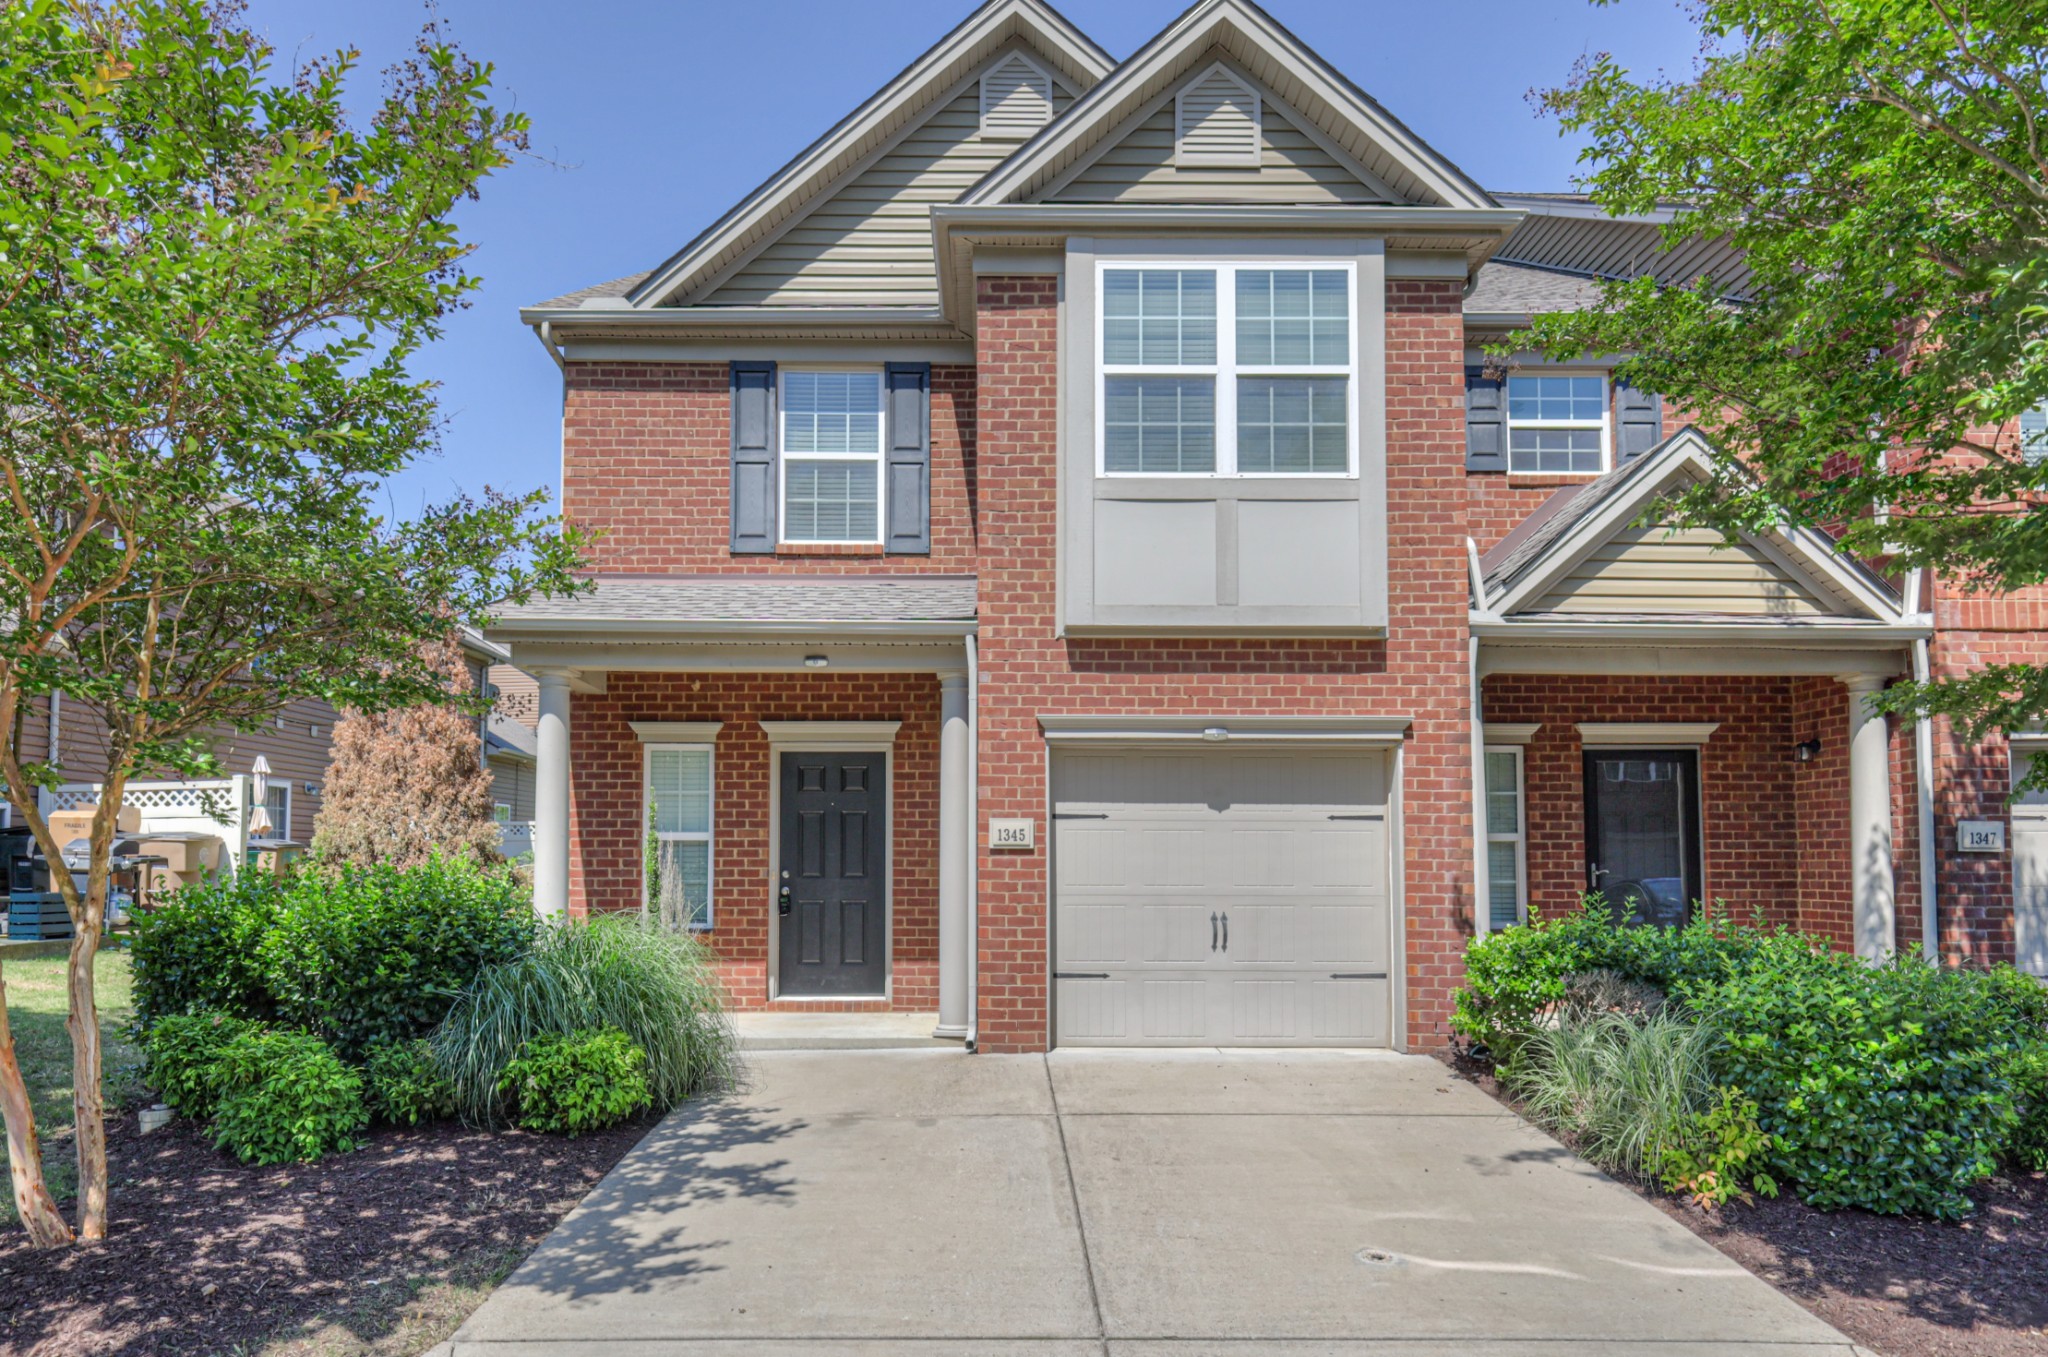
(1140, 169)
(1657, 570)
(297, 741)
(518, 694)
(512, 785)
(870, 243)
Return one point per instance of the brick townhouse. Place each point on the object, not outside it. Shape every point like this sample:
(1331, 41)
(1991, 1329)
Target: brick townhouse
(1066, 568)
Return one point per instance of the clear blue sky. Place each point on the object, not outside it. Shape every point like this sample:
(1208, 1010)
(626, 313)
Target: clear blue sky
(651, 119)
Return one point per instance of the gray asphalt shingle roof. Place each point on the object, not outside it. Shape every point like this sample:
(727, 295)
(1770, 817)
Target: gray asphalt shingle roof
(755, 598)
(1519, 289)
(617, 287)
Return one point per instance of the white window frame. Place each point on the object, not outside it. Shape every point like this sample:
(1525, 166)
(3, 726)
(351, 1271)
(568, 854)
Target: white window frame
(708, 836)
(1606, 422)
(501, 811)
(1225, 371)
(1520, 837)
(277, 830)
(783, 456)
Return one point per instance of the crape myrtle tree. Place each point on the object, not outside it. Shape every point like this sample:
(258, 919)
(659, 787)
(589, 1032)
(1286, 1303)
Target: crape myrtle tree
(1883, 167)
(406, 784)
(212, 281)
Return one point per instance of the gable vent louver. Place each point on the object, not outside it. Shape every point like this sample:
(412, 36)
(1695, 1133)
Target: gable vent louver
(1016, 99)
(1216, 122)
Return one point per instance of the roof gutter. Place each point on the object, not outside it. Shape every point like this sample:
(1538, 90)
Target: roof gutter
(1847, 632)
(642, 629)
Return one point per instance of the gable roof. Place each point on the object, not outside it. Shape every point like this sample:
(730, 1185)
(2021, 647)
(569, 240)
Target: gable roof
(1322, 96)
(1076, 60)
(1533, 565)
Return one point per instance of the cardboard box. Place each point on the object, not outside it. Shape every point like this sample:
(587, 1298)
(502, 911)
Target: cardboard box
(192, 853)
(162, 881)
(66, 825)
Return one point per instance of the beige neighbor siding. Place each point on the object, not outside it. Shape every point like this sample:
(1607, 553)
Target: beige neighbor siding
(870, 244)
(512, 785)
(297, 742)
(518, 695)
(1657, 570)
(1139, 169)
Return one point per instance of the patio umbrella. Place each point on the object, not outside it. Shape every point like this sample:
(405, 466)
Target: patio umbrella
(259, 789)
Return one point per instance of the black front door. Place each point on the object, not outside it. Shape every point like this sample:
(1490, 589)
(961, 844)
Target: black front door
(831, 903)
(1643, 832)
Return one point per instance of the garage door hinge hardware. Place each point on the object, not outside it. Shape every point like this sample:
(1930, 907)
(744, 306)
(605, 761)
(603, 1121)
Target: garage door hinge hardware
(1080, 975)
(1358, 817)
(1080, 815)
(1358, 975)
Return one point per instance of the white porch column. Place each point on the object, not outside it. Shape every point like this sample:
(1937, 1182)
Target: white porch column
(1870, 820)
(956, 832)
(551, 797)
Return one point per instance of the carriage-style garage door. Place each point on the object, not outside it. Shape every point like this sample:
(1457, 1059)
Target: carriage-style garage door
(1213, 898)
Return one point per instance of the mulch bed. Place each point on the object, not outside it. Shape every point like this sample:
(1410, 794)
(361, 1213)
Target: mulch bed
(205, 1255)
(1901, 1286)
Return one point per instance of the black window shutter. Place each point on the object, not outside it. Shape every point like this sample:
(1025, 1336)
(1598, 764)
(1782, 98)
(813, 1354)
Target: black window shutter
(1638, 422)
(754, 440)
(907, 472)
(1486, 422)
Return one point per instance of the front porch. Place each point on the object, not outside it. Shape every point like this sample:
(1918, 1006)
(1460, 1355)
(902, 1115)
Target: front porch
(795, 757)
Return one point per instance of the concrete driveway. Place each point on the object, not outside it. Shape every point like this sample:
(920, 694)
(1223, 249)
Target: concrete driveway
(1157, 1204)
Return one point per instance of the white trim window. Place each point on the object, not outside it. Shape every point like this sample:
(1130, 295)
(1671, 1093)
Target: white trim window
(2034, 434)
(831, 456)
(1558, 423)
(1507, 839)
(677, 802)
(277, 802)
(1227, 369)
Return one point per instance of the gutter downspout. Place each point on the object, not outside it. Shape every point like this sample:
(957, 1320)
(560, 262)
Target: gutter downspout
(974, 842)
(1481, 888)
(1923, 778)
(545, 334)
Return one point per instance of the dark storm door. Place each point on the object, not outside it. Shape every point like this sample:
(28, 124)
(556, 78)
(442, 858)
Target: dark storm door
(1643, 832)
(831, 902)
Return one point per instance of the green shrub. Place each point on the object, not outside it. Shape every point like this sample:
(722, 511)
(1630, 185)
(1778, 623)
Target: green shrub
(365, 957)
(654, 985)
(181, 1054)
(568, 1084)
(2024, 999)
(197, 950)
(286, 1096)
(1714, 1151)
(1882, 1087)
(405, 1086)
(1622, 1091)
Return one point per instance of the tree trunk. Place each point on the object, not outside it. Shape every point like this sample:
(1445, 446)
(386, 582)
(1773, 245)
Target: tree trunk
(32, 1200)
(88, 1107)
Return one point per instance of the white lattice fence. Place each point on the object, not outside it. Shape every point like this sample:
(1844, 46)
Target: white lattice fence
(219, 807)
(515, 837)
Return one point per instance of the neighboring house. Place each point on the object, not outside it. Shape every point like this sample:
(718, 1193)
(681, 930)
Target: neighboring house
(296, 744)
(1064, 564)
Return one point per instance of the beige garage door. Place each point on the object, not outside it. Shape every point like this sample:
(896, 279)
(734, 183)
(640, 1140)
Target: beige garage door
(1211, 898)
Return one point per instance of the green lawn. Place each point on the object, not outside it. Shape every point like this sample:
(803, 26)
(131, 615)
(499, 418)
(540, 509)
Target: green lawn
(35, 1010)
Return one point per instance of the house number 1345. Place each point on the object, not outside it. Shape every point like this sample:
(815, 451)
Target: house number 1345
(1012, 834)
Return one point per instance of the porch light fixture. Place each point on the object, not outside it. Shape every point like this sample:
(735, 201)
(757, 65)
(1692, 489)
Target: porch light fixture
(1806, 751)
(1216, 734)
(815, 661)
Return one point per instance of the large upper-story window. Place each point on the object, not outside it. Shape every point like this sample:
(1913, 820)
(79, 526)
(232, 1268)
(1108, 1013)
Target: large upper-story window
(1227, 370)
(831, 456)
(1557, 423)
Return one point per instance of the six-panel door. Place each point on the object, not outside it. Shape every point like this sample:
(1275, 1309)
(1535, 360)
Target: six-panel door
(832, 887)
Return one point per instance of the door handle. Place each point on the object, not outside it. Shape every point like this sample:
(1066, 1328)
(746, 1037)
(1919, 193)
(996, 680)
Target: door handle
(1212, 930)
(1226, 930)
(782, 901)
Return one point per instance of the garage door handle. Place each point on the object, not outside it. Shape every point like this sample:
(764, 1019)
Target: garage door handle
(1358, 817)
(1212, 930)
(1358, 975)
(1226, 930)
(1080, 975)
(1080, 815)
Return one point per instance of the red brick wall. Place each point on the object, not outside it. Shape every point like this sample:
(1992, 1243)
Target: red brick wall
(646, 458)
(1820, 711)
(1418, 671)
(605, 820)
(1751, 833)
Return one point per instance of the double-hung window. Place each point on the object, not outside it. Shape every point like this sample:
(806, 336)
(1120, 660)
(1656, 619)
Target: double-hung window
(2034, 434)
(678, 846)
(831, 456)
(1227, 370)
(1506, 839)
(1557, 422)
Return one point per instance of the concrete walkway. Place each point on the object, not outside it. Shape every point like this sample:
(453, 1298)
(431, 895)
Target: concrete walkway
(1156, 1205)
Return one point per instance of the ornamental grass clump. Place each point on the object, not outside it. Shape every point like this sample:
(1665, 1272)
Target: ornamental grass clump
(1622, 1090)
(653, 984)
